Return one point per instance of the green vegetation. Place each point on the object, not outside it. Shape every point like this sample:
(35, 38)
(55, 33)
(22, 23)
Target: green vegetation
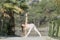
(40, 13)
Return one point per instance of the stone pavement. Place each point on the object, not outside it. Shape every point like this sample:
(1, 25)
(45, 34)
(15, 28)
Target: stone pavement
(29, 38)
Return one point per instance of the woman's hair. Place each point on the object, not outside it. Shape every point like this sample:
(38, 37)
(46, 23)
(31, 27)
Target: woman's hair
(22, 26)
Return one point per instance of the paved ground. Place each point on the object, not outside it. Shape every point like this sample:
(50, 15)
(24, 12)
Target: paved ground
(28, 38)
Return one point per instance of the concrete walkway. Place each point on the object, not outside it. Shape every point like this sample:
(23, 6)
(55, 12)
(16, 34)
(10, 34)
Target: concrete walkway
(28, 38)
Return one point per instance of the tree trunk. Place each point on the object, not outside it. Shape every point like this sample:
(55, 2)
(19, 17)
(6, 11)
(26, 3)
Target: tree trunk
(57, 31)
(11, 27)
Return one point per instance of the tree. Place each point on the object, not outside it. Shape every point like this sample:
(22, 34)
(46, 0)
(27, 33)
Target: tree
(9, 7)
(55, 28)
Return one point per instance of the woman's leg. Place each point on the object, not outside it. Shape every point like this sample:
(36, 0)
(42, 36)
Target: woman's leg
(37, 31)
(28, 32)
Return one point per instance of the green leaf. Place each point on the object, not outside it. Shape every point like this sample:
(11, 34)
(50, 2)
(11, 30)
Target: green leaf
(8, 5)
